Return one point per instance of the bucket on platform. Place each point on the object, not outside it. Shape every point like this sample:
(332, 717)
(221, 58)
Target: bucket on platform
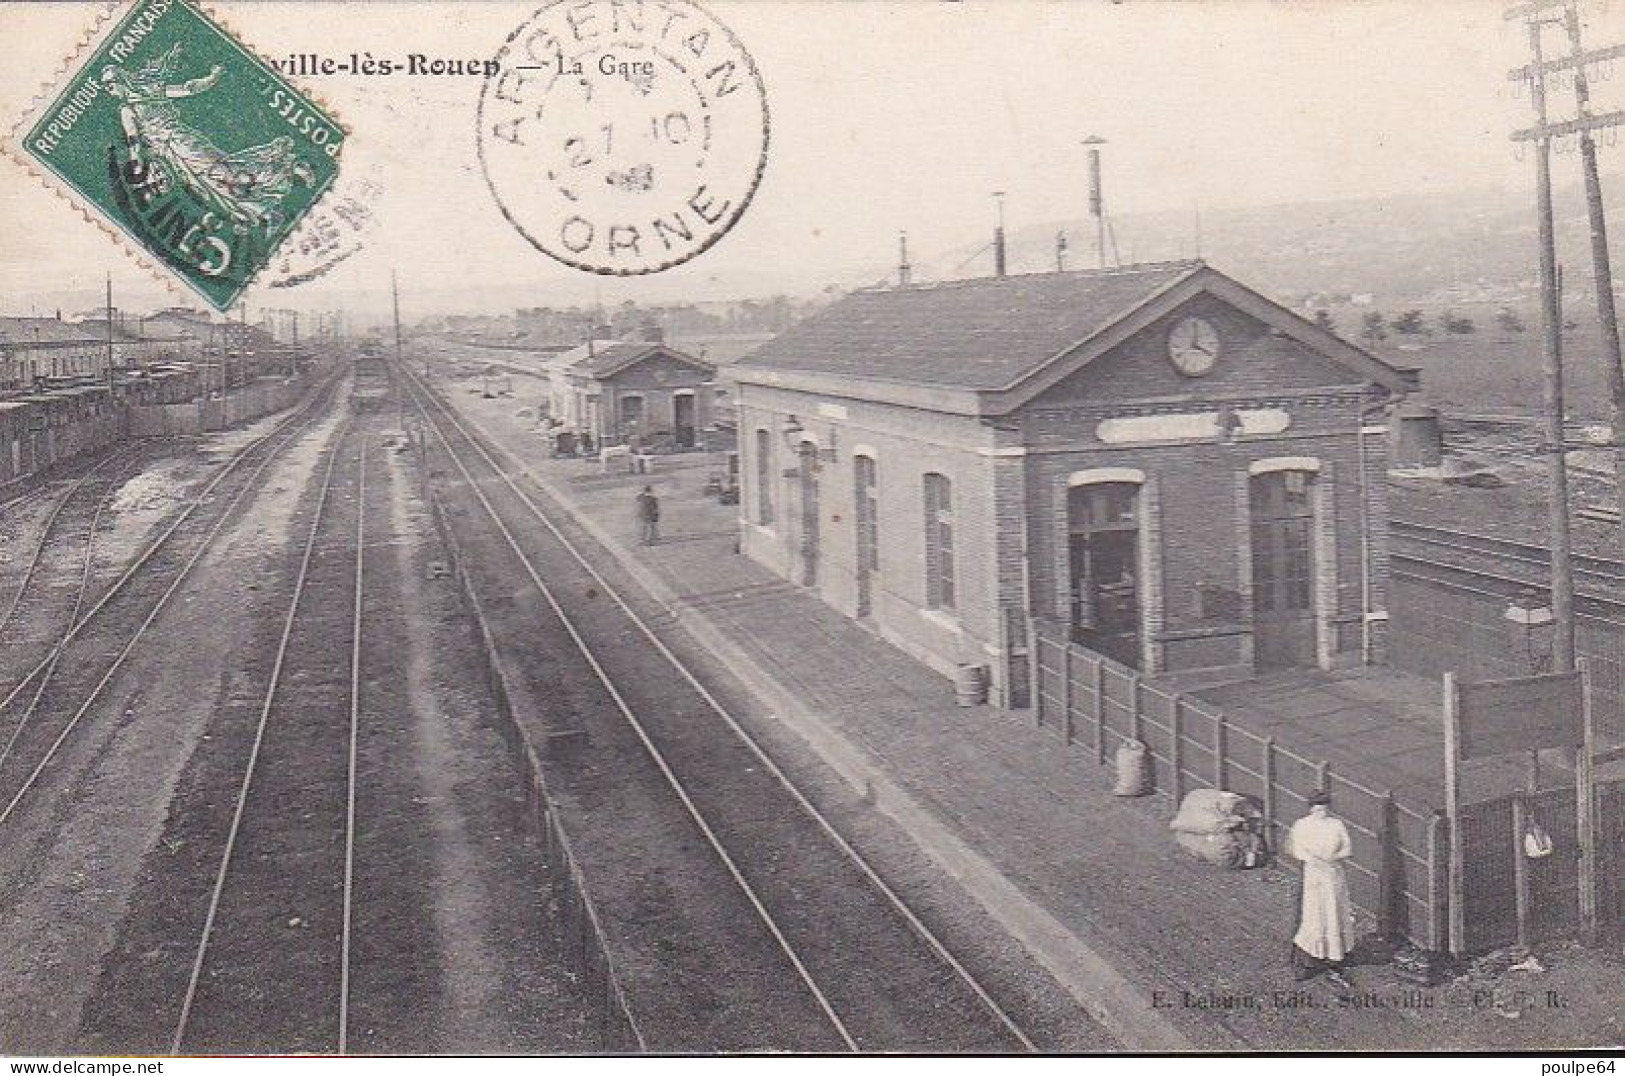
(970, 685)
(1133, 770)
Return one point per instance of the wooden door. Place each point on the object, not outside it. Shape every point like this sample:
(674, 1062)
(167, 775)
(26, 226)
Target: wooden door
(1283, 527)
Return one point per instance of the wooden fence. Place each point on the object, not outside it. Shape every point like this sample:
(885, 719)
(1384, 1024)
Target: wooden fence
(1398, 872)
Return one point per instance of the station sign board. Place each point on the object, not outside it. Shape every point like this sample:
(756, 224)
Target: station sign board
(1500, 717)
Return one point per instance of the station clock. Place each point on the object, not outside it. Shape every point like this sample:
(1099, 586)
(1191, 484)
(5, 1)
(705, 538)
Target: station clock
(1193, 346)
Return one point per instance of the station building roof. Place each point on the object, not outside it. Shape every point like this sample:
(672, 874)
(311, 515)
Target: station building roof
(608, 360)
(976, 346)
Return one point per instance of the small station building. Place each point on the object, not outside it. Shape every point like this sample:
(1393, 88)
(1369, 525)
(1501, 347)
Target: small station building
(1157, 461)
(618, 391)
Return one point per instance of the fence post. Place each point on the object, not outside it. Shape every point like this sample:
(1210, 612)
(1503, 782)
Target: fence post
(1033, 681)
(1221, 738)
(1176, 753)
(1520, 871)
(1038, 679)
(1391, 879)
(1269, 781)
(1438, 882)
(1100, 710)
(1066, 694)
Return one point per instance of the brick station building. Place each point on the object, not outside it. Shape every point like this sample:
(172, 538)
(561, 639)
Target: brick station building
(1156, 460)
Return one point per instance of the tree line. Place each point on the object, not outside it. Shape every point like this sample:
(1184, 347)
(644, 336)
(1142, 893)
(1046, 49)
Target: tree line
(1377, 327)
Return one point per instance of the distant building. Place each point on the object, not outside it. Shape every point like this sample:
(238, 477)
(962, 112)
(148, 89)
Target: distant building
(207, 334)
(135, 346)
(620, 391)
(35, 348)
(1157, 461)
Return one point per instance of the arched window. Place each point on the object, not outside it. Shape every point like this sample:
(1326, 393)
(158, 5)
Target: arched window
(939, 542)
(764, 477)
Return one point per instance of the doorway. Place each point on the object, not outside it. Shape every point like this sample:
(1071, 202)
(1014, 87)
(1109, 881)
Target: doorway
(1283, 551)
(807, 468)
(1103, 554)
(682, 406)
(866, 515)
(631, 418)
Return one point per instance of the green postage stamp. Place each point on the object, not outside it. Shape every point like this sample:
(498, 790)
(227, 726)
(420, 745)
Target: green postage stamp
(189, 144)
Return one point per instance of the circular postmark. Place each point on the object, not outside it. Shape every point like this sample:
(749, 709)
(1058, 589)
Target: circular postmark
(621, 136)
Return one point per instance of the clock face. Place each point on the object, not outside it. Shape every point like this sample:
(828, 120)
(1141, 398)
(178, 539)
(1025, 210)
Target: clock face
(1193, 346)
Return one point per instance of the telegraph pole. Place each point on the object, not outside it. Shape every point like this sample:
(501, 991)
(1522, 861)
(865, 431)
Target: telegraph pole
(1602, 271)
(1551, 351)
(395, 299)
(110, 379)
(1539, 14)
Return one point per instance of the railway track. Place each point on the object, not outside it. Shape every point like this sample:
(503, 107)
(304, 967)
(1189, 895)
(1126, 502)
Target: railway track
(32, 489)
(280, 983)
(310, 869)
(1507, 564)
(53, 591)
(54, 581)
(826, 955)
(63, 688)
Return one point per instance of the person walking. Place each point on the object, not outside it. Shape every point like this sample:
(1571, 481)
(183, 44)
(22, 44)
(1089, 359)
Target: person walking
(1325, 933)
(649, 516)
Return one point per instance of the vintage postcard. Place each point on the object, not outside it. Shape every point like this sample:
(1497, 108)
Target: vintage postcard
(667, 527)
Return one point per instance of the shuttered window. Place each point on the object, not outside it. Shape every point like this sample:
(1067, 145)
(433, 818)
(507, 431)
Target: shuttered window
(939, 542)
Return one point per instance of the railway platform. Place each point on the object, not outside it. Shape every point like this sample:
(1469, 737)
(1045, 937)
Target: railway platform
(1164, 951)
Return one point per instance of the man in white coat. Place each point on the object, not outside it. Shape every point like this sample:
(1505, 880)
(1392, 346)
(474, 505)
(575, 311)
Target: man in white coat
(1326, 917)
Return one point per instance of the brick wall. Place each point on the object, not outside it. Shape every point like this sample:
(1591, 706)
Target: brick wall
(1195, 518)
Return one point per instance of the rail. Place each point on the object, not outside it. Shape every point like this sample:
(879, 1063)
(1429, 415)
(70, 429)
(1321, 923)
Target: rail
(591, 953)
(273, 442)
(267, 707)
(82, 589)
(423, 399)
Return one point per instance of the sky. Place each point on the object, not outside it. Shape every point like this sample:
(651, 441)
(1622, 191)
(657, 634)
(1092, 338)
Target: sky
(885, 115)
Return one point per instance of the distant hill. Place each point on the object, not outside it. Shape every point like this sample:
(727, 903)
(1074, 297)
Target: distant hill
(1474, 247)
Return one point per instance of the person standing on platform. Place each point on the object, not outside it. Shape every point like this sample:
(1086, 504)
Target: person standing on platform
(1325, 933)
(649, 516)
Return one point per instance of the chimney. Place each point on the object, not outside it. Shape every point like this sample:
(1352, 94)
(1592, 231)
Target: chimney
(652, 332)
(905, 272)
(1097, 202)
(998, 238)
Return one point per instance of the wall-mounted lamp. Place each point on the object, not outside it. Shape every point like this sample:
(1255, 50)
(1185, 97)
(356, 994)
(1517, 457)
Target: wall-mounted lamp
(792, 431)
